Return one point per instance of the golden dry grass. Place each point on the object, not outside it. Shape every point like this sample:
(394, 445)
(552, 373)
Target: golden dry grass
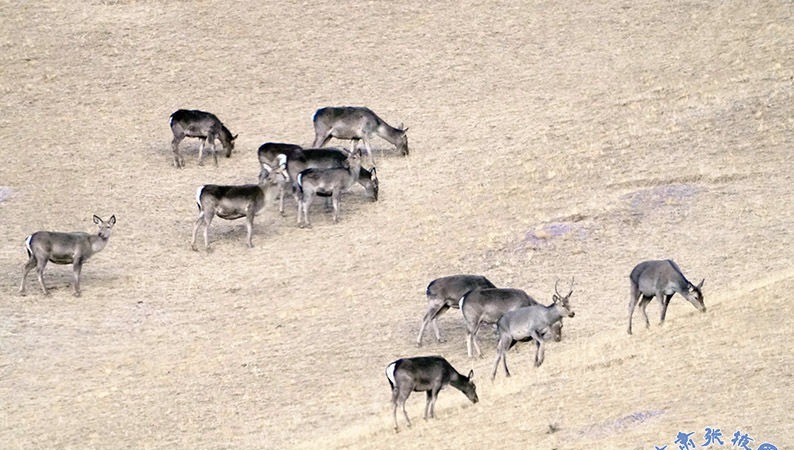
(548, 140)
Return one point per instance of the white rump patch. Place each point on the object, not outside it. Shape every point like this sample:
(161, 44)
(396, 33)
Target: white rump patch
(27, 243)
(460, 303)
(198, 195)
(390, 373)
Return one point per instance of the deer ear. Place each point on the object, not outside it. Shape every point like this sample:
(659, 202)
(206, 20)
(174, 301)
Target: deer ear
(471, 374)
(235, 136)
(97, 220)
(699, 286)
(112, 220)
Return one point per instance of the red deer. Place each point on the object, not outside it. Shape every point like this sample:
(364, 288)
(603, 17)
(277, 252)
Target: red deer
(661, 279)
(444, 293)
(356, 123)
(295, 159)
(425, 374)
(486, 306)
(64, 248)
(232, 202)
(534, 322)
(203, 125)
(325, 182)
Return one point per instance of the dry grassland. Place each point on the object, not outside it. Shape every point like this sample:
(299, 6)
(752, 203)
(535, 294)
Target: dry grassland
(549, 139)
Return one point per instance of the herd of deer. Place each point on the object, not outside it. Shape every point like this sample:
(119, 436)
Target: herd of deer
(328, 172)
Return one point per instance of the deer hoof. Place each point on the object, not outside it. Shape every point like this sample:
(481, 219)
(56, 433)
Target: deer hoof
(76, 294)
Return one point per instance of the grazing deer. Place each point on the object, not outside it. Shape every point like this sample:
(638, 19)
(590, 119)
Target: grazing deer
(429, 374)
(203, 125)
(486, 306)
(356, 123)
(534, 322)
(268, 156)
(298, 159)
(232, 202)
(661, 279)
(324, 182)
(444, 293)
(64, 248)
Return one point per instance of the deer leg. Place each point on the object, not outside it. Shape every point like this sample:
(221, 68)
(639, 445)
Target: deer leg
(335, 201)
(207, 220)
(644, 304)
(25, 270)
(665, 303)
(504, 362)
(474, 339)
(249, 226)
(506, 346)
(195, 230)
(633, 302)
(281, 189)
(77, 267)
(430, 408)
(214, 149)
(404, 393)
(496, 362)
(434, 322)
(394, 392)
(41, 263)
(201, 151)
(539, 349)
(178, 161)
(433, 398)
(369, 151)
(431, 312)
(320, 139)
(500, 355)
(306, 203)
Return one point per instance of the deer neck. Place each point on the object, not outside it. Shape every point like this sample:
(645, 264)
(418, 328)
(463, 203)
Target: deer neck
(553, 313)
(458, 381)
(389, 133)
(98, 242)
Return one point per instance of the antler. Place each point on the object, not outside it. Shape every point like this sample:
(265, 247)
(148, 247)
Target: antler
(558, 292)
